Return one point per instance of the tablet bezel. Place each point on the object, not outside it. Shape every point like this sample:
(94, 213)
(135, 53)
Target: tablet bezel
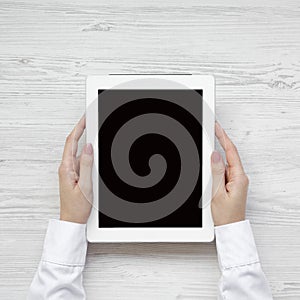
(129, 234)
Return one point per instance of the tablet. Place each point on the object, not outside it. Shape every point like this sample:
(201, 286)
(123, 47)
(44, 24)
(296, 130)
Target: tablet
(152, 136)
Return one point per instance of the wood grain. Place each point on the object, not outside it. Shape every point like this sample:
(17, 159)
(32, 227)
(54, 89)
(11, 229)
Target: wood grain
(47, 49)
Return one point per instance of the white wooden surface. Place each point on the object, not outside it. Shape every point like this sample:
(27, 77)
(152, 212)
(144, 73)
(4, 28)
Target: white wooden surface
(48, 47)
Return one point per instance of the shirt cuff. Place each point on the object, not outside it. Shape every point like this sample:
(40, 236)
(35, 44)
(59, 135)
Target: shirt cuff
(235, 245)
(65, 243)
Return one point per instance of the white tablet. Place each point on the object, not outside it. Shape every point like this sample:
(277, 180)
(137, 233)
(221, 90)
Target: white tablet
(152, 136)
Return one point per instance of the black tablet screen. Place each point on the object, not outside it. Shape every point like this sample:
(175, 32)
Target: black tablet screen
(150, 158)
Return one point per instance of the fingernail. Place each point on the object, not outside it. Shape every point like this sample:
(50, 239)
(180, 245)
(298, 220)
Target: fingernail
(88, 149)
(216, 157)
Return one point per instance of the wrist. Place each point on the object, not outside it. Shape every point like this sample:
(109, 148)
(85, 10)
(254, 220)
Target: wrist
(235, 223)
(72, 219)
(229, 221)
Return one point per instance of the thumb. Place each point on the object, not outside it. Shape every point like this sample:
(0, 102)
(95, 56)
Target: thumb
(218, 173)
(85, 176)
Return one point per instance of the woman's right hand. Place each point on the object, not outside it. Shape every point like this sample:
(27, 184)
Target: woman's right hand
(230, 183)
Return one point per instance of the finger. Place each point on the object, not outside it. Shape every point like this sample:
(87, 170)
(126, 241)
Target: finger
(218, 173)
(226, 173)
(77, 164)
(85, 176)
(235, 166)
(71, 145)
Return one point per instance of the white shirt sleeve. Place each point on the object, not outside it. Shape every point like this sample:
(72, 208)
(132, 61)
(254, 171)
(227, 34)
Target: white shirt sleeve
(242, 275)
(59, 274)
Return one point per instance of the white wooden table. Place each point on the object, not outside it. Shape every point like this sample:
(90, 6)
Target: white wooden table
(48, 47)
